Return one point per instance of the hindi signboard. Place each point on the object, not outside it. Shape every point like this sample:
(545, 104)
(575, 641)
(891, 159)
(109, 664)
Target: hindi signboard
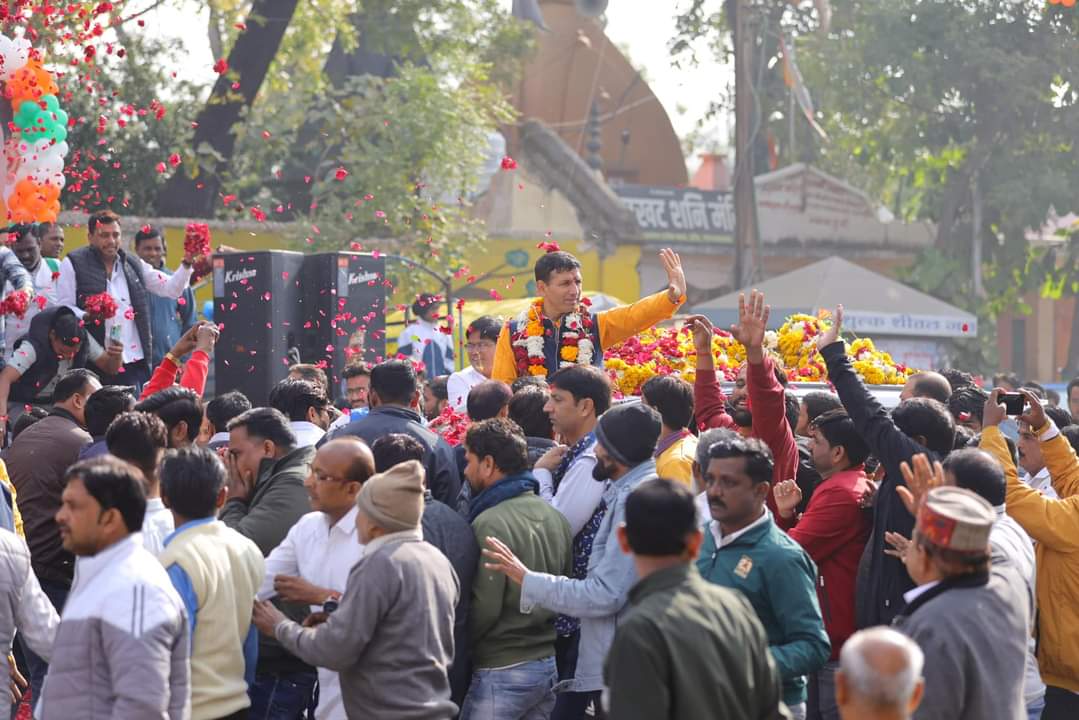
(680, 214)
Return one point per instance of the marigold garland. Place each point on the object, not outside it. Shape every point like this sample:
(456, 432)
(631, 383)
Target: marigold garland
(670, 351)
(575, 343)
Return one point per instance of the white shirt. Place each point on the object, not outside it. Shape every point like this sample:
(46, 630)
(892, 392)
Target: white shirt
(420, 334)
(460, 383)
(156, 525)
(578, 494)
(307, 434)
(15, 327)
(24, 358)
(157, 282)
(725, 540)
(323, 556)
(1043, 484)
(704, 512)
(911, 595)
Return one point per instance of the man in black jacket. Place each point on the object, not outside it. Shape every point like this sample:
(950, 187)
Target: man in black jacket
(917, 426)
(394, 397)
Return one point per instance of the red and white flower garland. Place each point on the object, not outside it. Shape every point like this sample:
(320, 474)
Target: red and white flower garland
(575, 342)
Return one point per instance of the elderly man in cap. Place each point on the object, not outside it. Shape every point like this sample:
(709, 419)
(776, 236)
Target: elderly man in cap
(970, 617)
(625, 440)
(391, 637)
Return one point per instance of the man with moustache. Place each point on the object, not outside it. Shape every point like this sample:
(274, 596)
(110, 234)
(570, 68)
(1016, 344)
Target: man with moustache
(312, 563)
(626, 437)
(558, 330)
(745, 550)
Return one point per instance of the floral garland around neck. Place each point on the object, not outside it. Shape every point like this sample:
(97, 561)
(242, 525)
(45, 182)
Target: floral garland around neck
(576, 346)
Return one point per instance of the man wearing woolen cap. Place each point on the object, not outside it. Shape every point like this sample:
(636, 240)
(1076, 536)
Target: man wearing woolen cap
(626, 437)
(391, 638)
(970, 616)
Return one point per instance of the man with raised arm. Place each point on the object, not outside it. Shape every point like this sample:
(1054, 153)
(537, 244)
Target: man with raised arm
(557, 330)
(760, 391)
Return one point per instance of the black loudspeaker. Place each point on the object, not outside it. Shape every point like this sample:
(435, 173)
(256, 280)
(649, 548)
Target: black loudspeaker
(344, 312)
(259, 302)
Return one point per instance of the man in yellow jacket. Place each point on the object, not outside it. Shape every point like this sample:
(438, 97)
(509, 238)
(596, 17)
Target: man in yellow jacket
(557, 330)
(1054, 526)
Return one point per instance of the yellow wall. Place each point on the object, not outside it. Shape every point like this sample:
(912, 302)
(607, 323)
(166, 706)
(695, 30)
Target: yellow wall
(509, 261)
(616, 276)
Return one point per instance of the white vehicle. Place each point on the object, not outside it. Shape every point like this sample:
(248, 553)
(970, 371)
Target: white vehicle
(886, 395)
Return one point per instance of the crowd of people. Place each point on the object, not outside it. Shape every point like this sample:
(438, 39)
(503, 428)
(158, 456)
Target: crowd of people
(686, 554)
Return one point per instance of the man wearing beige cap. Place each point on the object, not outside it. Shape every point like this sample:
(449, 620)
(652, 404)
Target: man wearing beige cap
(970, 618)
(391, 638)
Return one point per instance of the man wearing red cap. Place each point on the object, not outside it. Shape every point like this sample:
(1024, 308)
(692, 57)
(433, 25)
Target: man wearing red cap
(970, 617)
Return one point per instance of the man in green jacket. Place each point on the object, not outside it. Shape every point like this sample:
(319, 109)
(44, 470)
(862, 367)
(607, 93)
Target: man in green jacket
(266, 497)
(744, 549)
(686, 648)
(513, 653)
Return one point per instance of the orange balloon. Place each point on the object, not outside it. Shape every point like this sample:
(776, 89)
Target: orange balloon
(34, 203)
(30, 82)
(1067, 3)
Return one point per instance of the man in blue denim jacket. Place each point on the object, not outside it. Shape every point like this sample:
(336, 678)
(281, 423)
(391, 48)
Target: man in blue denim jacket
(625, 440)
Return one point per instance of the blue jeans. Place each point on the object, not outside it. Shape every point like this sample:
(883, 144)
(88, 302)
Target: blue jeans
(822, 703)
(287, 696)
(520, 692)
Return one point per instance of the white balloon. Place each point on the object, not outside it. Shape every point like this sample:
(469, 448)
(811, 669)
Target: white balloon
(13, 55)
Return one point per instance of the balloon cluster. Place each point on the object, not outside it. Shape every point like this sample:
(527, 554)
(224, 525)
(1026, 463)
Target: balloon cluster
(33, 162)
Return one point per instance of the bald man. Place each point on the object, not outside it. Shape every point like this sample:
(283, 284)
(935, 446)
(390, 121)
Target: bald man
(927, 385)
(312, 564)
(880, 676)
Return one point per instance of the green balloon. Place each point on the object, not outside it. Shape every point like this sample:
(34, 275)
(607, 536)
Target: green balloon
(37, 123)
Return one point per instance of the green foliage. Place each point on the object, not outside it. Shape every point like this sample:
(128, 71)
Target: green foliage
(411, 144)
(117, 138)
(919, 95)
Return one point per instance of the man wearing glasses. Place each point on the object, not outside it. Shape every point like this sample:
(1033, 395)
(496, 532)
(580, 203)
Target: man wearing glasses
(482, 337)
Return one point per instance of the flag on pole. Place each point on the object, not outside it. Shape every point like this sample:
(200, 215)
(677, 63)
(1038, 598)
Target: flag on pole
(792, 77)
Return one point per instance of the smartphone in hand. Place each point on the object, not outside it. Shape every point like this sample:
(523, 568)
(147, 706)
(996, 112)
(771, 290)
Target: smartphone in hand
(1013, 403)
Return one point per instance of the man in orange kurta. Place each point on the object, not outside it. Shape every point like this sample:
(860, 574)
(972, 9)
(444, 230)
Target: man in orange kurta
(557, 330)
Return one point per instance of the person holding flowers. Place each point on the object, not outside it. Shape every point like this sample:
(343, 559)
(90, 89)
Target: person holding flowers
(102, 277)
(557, 330)
(169, 318)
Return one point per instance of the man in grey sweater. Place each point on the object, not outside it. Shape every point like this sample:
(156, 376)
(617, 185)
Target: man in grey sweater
(970, 672)
(391, 639)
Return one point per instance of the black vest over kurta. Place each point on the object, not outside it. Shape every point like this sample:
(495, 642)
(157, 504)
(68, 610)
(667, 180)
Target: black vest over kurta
(90, 280)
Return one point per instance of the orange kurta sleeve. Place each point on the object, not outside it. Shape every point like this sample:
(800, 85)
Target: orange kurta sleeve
(505, 368)
(1053, 522)
(623, 322)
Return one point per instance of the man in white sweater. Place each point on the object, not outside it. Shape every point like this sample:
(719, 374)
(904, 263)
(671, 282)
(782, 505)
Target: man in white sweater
(216, 572)
(121, 650)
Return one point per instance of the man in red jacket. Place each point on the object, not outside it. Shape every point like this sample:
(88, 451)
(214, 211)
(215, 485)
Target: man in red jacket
(759, 396)
(833, 530)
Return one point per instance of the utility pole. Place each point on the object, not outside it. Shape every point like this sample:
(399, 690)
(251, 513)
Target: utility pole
(746, 259)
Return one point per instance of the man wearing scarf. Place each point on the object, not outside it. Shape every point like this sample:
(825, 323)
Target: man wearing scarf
(557, 330)
(625, 440)
(512, 652)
